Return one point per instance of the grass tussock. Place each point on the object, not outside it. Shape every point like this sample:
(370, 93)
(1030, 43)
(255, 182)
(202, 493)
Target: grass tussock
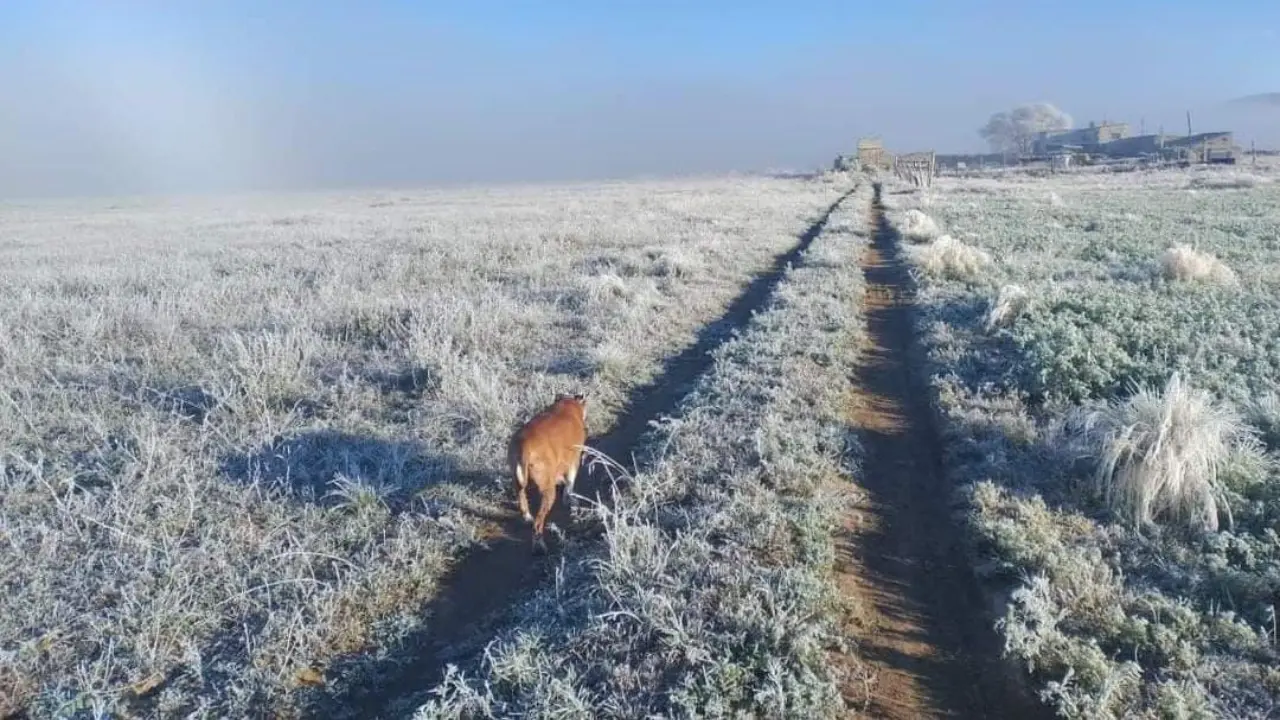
(1183, 263)
(917, 226)
(1010, 302)
(1159, 453)
(1264, 415)
(947, 257)
(709, 595)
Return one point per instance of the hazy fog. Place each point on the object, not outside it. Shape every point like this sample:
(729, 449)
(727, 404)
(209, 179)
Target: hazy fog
(138, 97)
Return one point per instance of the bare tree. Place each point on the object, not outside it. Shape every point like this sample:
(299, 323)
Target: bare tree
(1013, 131)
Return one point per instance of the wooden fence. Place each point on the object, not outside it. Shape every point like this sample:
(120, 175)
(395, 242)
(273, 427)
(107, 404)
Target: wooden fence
(917, 168)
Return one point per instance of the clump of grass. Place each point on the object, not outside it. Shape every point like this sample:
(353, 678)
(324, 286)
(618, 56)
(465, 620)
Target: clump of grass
(1264, 414)
(918, 226)
(1011, 302)
(670, 262)
(948, 257)
(1182, 263)
(1158, 454)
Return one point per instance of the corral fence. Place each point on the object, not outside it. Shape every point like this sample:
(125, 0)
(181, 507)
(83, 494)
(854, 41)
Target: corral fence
(917, 168)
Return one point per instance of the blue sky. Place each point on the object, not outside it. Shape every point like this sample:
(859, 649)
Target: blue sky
(121, 97)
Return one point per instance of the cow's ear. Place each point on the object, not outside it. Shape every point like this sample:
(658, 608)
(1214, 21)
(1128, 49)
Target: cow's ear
(580, 398)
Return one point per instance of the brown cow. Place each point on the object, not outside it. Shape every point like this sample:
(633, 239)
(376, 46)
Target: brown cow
(547, 450)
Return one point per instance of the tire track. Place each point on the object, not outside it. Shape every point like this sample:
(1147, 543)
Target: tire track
(486, 581)
(924, 628)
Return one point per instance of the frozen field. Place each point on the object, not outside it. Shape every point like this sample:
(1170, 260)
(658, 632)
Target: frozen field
(1106, 354)
(244, 438)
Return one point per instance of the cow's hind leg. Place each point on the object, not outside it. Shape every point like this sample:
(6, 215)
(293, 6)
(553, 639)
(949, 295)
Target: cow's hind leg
(547, 491)
(569, 478)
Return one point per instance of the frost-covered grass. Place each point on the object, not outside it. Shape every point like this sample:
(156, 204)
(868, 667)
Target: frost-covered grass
(1010, 302)
(244, 437)
(1184, 264)
(1124, 599)
(1228, 181)
(1159, 453)
(947, 257)
(917, 226)
(710, 594)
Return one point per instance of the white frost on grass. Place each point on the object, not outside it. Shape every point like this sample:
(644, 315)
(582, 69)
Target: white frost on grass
(947, 257)
(1159, 452)
(243, 437)
(1010, 302)
(917, 226)
(1082, 580)
(1227, 182)
(1264, 414)
(711, 588)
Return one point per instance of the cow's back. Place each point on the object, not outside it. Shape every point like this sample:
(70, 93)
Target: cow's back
(552, 438)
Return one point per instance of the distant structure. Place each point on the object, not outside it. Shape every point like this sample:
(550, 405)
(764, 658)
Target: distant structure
(970, 161)
(1113, 141)
(917, 168)
(1088, 138)
(845, 163)
(871, 154)
(1058, 151)
(1210, 147)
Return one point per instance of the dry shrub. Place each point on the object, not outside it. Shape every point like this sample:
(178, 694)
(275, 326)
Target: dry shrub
(948, 257)
(1159, 452)
(918, 226)
(1011, 302)
(1182, 263)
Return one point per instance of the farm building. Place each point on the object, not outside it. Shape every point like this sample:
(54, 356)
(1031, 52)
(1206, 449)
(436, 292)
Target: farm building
(871, 154)
(1087, 138)
(1208, 147)
(1136, 145)
(1113, 140)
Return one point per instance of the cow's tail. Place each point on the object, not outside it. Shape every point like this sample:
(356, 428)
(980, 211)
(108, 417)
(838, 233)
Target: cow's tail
(522, 473)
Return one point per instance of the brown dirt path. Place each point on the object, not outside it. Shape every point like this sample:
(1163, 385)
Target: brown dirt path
(921, 623)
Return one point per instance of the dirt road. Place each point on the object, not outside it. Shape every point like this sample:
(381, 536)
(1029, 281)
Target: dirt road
(921, 626)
